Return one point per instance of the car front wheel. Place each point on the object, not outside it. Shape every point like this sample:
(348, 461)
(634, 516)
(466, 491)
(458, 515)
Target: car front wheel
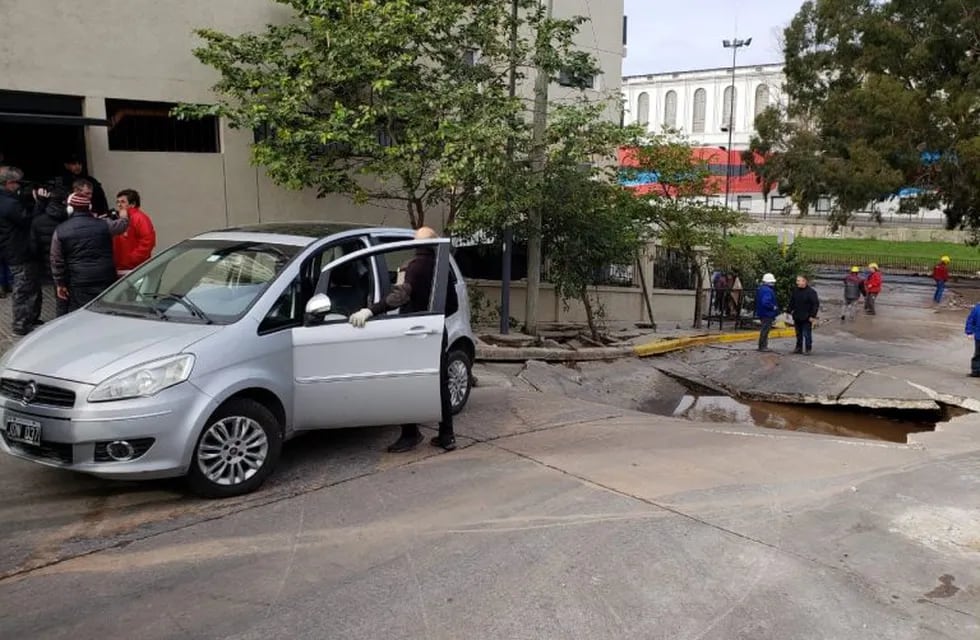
(460, 379)
(237, 450)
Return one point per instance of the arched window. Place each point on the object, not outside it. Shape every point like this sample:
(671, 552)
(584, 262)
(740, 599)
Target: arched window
(700, 108)
(728, 108)
(643, 109)
(761, 99)
(670, 109)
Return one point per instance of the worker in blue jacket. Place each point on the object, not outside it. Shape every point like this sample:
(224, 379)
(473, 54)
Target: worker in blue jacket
(973, 329)
(766, 308)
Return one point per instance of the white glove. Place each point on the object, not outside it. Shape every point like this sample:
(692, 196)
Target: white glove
(360, 318)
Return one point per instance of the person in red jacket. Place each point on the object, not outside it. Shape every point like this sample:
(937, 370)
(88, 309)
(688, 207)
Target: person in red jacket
(872, 287)
(940, 273)
(134, 247)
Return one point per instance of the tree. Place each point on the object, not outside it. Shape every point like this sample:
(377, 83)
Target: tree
(677, 207)
(892, 87)
(404, 103)
(589, 220)
(762, 149)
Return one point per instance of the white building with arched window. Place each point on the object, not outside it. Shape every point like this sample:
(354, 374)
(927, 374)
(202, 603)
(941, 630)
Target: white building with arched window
(701, 103)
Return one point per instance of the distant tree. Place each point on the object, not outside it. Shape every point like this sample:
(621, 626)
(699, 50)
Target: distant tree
(891, 88)
(677, 207)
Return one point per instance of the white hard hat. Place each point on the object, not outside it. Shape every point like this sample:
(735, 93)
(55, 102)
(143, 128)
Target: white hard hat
(769, 279)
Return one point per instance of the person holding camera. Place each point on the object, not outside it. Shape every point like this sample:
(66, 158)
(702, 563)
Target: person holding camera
(16, 214)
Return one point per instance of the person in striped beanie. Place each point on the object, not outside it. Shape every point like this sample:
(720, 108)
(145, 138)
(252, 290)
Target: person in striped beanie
(81, 250)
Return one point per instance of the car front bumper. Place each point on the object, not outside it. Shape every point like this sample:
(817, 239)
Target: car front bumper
(76, 437)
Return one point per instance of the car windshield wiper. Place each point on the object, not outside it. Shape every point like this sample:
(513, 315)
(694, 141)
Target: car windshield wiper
(184, 300)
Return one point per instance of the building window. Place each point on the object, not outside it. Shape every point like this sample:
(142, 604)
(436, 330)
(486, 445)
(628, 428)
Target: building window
(700, 109)
(568, 78)
(778, 203)
(670, 109)
(728, 109)
(823, 205)
(148, 126)
(761, 99)
(643, 109)
(745, 203)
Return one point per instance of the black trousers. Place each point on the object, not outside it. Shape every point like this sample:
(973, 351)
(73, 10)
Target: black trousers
(764, 332)
(78, 297)
(804, 335)
(446, 429)
(975, 362)
(26, 295)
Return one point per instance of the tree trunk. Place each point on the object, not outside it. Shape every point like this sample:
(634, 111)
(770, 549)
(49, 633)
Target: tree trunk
(646, 292)
(590, 314)
(698, 295)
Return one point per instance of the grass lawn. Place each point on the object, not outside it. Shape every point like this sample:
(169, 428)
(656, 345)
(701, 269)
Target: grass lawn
(887, 253)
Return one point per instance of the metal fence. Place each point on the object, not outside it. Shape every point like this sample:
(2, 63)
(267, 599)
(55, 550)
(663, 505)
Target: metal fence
(912, 264)
(673, 270)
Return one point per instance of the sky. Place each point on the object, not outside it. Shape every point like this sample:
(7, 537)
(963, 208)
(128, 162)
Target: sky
(679, 35)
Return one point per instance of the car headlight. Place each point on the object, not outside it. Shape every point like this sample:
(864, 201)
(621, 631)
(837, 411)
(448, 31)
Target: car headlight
(145, 380)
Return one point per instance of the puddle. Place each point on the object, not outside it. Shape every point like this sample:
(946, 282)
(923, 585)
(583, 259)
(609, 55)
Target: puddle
(888, 425)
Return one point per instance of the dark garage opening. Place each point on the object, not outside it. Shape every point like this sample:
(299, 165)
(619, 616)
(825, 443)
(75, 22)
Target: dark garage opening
(39, 130)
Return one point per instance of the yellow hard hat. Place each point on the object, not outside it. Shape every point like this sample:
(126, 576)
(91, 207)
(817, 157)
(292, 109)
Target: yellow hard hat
(945, 259)
(855, 269)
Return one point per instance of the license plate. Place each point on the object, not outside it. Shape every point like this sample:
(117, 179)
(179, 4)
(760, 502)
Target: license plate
(26, 431)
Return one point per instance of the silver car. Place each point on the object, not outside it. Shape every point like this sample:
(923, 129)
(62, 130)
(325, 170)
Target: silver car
(205, 359)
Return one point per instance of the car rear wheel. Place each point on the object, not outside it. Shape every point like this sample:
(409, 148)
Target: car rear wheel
(237, 450)
(460, 378)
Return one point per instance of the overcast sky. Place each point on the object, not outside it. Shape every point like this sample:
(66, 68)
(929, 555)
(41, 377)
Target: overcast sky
(677, 35)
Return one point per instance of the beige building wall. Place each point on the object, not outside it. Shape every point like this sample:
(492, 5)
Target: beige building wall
(141, 50)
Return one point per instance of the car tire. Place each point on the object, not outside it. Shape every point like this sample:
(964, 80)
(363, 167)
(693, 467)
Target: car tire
(460, 367)
(236, 451)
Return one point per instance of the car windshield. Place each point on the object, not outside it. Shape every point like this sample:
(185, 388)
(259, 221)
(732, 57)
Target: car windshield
(203, 281)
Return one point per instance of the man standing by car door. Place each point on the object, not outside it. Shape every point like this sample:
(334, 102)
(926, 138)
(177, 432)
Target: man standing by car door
(413, 296)
(81, 250)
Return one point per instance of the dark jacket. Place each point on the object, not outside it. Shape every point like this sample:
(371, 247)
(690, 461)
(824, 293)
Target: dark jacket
(53, 212)
(765, 302)
(81, 251)
(852, 287)
(804, 304)
(413, 295)
(15, 229)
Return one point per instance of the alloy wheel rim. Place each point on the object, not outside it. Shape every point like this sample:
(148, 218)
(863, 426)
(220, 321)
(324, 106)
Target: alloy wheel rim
(232, 450)
(459, 382)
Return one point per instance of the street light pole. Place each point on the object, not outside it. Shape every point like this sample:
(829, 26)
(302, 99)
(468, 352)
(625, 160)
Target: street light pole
(508, 248)
(734, 45)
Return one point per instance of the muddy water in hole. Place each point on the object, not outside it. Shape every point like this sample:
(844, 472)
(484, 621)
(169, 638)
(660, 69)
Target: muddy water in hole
(808, 418)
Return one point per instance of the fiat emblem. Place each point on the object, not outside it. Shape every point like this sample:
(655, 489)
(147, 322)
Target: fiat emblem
(30, 392)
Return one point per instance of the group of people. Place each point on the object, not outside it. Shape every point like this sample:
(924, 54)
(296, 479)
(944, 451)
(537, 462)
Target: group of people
(65, 233)
(804, 307)
(728, 291)
(857, 285)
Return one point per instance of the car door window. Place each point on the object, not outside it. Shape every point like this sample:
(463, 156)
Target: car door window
(287, 311)
(395, 263)
(349, 282)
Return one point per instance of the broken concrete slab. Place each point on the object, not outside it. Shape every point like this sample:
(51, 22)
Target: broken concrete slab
(505, 354)
(875, 390)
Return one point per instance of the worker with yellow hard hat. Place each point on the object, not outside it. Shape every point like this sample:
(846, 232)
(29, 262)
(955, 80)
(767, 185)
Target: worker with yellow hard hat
(940, 274)
(853, 283)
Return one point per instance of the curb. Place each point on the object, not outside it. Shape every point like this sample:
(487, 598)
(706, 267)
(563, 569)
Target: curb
(510, 354)
(676, 344)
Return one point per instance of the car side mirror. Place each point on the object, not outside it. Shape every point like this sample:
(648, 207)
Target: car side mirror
(318, 307)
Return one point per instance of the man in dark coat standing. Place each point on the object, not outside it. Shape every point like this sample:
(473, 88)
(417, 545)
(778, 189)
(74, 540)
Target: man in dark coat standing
(411, 297)
(804, 305)
(51, 212)
(75, 170)
(15, 244)
(81, 251)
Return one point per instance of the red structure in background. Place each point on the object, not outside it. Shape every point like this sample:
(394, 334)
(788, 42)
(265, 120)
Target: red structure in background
(743, 181)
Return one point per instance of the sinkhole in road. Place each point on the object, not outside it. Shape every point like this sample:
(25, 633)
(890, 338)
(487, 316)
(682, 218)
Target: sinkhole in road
(892, 425)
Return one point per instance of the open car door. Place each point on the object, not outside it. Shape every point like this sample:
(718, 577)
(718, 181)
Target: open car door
(385, 373)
